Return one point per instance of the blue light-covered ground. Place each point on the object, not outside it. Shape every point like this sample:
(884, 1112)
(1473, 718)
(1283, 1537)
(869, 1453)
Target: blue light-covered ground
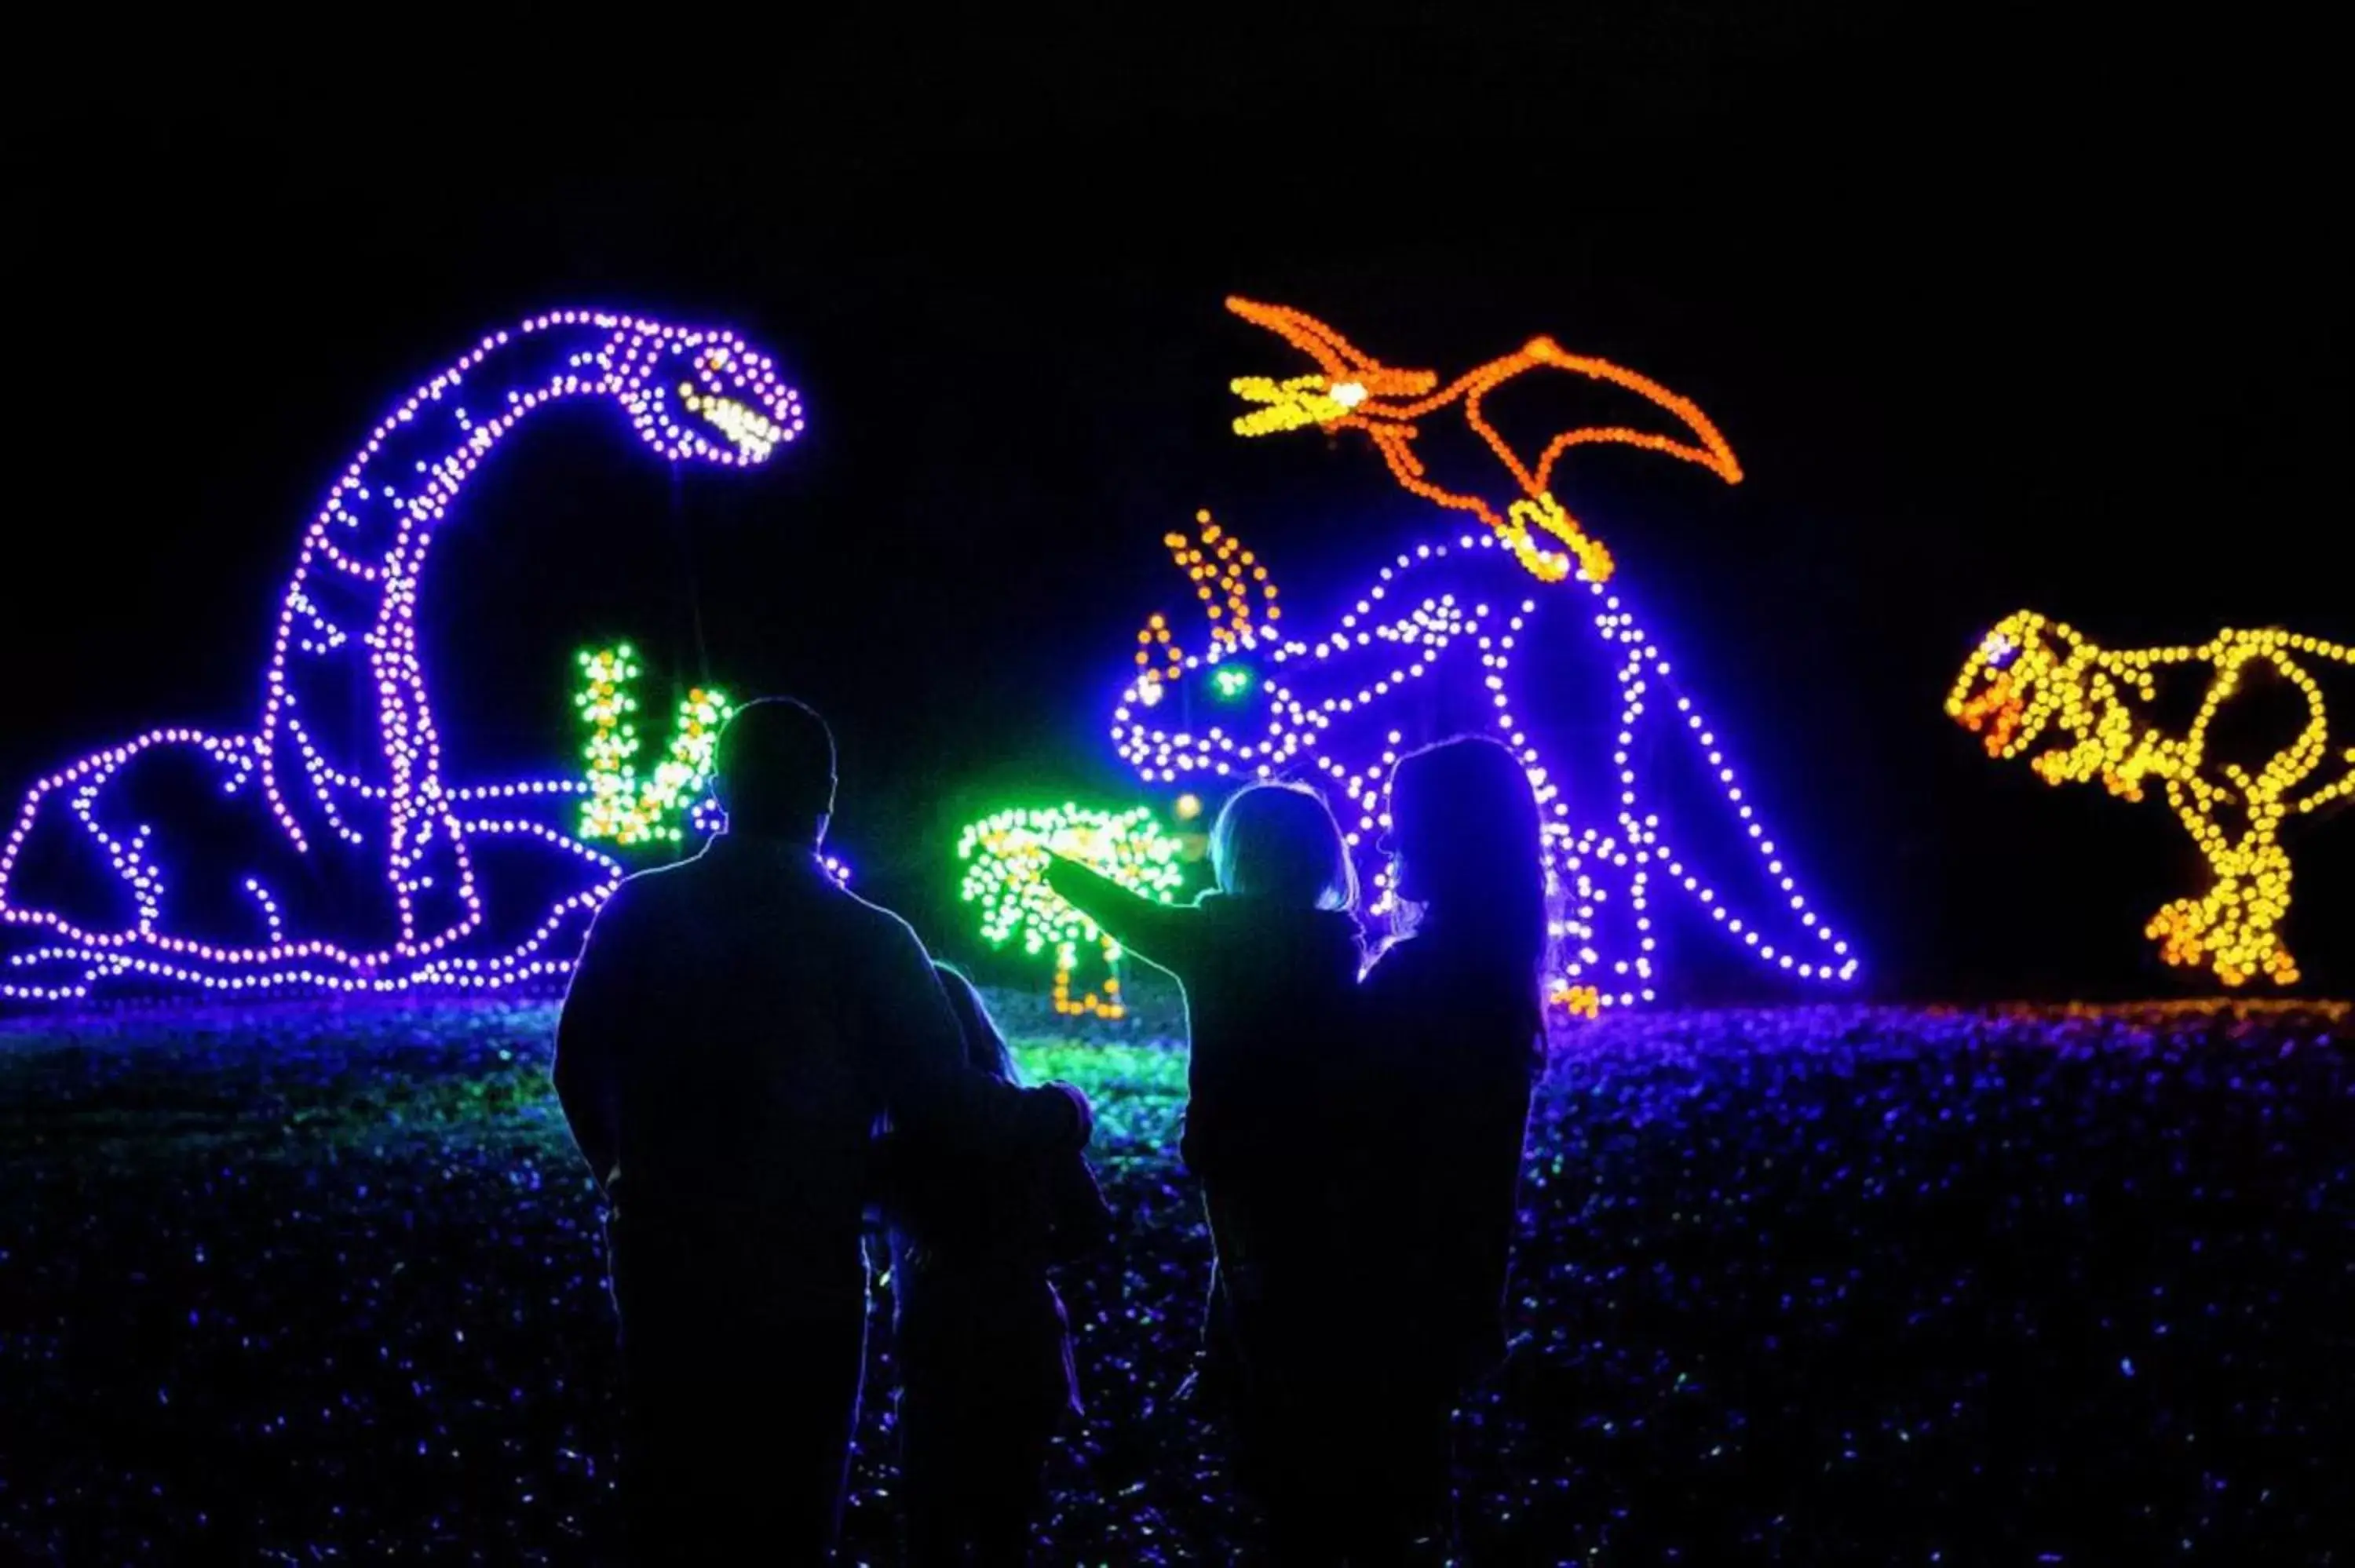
(1820, 1287)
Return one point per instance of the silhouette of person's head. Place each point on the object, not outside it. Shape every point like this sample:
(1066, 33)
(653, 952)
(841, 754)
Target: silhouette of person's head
(772, 772)
(1465, 844)
(1280, 842)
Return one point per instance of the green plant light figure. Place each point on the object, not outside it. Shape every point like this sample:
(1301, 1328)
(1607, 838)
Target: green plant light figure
(1005, 858)
(621, 806)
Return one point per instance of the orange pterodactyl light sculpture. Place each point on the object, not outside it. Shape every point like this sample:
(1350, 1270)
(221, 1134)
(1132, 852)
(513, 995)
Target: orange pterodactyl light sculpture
(1353, 390)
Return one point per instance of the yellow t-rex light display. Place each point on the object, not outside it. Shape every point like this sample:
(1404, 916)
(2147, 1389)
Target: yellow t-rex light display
(2032, 677)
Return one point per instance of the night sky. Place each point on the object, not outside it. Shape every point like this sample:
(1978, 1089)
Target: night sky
(1994, 320)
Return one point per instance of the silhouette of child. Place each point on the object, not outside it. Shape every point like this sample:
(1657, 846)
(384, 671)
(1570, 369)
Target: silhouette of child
(1269, 965)
(982, 1344)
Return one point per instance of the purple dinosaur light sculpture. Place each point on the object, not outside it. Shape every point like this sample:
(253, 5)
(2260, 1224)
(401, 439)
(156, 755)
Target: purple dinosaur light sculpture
(327, 847)
(1636, 796)
(1492, 631)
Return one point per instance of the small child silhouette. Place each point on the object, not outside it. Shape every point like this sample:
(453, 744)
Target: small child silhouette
(1269, 965)
(982, 1344)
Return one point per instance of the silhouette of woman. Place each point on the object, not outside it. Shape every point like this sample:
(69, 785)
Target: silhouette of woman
(1454, 1011)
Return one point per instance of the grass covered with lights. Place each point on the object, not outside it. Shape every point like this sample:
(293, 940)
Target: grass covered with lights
(1830, 1286)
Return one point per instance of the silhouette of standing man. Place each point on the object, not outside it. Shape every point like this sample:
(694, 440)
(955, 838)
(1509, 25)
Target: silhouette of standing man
(736, 1025)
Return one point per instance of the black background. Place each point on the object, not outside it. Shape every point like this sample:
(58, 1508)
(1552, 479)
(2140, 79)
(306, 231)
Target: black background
(1994, 318)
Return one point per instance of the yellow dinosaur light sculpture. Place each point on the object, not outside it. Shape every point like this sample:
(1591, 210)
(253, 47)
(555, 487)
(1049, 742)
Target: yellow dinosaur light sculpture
(1353, 390)
(2032, 678)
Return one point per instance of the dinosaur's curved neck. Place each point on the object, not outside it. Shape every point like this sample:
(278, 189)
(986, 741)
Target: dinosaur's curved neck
(409, 470)
(346, 640)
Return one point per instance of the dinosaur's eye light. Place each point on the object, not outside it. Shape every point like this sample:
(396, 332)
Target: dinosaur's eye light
(1231, 683)
(2000, 652)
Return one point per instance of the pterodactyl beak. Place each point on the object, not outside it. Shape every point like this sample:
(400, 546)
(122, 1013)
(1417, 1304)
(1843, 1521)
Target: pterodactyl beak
(1348, 375)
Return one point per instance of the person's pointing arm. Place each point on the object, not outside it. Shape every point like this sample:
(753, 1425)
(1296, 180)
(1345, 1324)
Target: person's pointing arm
(1157, 933)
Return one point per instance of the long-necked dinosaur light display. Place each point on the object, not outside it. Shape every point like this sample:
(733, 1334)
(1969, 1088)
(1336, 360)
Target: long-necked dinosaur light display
(331, 844)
